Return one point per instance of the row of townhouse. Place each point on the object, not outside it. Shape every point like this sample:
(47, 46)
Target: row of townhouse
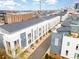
(19, 36)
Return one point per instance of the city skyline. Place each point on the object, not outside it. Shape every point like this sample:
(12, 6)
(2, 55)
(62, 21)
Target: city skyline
(34, 4)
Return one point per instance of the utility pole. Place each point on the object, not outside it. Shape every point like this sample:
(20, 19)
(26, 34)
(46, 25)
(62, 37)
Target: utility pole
(40, 4)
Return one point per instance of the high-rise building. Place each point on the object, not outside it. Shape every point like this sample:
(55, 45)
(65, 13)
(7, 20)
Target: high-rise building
(76, 6)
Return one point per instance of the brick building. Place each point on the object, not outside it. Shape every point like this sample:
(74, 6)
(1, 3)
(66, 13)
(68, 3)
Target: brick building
(13, 17)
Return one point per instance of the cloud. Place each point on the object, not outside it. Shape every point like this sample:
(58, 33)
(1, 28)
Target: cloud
(8, 5)
(47, 1)
(24, 0)
(52, 1)
(36, 0)
(13, 5)
(76, 1)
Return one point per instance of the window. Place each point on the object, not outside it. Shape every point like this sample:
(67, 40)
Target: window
(46, 28)
(43, 29)
(29, 38)
(1, 41)
(17, 47)
(16, 43)
(56, 41)
(77, 47)
(29, 41)
(67, 52)
(77, 56)
(35, 34)
(8, 44)
(23, 39)
(68, 43)
(9, 47)
(39, 31)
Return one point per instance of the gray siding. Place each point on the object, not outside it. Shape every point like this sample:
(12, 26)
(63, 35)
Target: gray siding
(54, 48)
(41, 50)
(71, 24)
(1, 42)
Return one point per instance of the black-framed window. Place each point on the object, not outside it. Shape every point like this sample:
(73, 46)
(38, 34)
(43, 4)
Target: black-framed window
(17, 46)
(43, 29)
(8, 44)
(8, 47)
(40, 31)
(67, 52)
(16, 43)
(46, 27)
(77, 47)
(29, 38)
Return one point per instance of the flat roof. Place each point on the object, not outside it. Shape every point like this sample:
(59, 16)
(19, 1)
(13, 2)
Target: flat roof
(11, 28)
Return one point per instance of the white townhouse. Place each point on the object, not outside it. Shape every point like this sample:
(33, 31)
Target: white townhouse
(65, 41)
(18, 37)
(70, 46)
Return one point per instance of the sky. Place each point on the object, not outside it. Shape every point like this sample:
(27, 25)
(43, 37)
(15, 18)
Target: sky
(34, 4)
